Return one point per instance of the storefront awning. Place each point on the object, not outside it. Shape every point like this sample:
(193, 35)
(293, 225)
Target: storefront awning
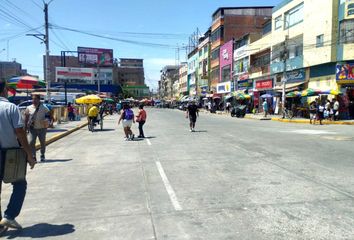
(288, 87)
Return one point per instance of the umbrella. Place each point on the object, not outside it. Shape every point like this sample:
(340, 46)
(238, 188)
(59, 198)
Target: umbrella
(109, 100)
(89, 99)
(266, 96)
(310, 92)
(25, 82)
(293, 94)
(331, 92)
(241, 95)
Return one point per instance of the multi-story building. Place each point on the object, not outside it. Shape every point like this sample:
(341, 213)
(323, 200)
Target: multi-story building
(203, 72)
(11, 69)
(130, 72)
(130, 75)
(169, 75)
(232, 23)
(59, 61)
(183, 79)
(192, 72)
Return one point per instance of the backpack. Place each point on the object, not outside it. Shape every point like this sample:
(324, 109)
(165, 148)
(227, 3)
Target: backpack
(129, 115)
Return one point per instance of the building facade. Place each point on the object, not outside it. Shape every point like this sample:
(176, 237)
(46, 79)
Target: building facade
(232, 23)
(11, 69)
(183, 79)
(169, 75)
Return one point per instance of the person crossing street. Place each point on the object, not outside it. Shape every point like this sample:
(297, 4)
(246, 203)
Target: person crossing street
(192, 113)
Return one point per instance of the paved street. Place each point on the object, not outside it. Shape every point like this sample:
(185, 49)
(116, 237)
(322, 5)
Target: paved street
(232, 179)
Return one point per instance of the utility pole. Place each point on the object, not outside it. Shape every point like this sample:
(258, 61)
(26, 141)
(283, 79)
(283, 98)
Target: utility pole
(46, 41)
(285, 56)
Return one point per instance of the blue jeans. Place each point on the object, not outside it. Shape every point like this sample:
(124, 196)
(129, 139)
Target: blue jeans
(16, 200)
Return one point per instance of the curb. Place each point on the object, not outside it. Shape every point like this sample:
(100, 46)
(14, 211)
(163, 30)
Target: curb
(303, 121)
(61, 135)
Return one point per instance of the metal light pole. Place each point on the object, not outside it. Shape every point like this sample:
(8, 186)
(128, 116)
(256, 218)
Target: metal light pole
(46, 41)
(285, 56)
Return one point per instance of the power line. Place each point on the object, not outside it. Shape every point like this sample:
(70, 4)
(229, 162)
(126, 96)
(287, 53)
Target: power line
(147, 44)
(33, 1)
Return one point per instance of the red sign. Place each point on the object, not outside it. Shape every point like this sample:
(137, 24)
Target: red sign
(264, 84)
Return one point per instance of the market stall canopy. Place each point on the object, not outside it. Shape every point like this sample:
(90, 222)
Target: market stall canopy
(25, 82)
(109, 100)
(240, 95)
(293, 94)
(89, 99)
(331, 92)
(310, 92)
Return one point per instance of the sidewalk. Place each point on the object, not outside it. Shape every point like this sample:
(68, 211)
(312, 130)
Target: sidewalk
(297, 120)
(63, 129)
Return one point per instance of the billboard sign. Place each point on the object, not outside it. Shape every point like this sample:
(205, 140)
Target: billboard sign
(344, 72)
(224, 87)
(74, 73)
(95, 56)
(264, 84)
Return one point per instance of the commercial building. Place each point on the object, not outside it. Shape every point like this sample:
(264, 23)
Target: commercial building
(169, 75)
(183, 79)
(232, 23)
(193, 61)
(11, 69)
(130, 72)
(203, 71)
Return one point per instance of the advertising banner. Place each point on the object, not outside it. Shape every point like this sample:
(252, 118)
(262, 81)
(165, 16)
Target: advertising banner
(74, 73)
(296, 76)
(224, 87)
(264, 84)
(244, 84)
(226, 54)
(345, 72)
(95, 56)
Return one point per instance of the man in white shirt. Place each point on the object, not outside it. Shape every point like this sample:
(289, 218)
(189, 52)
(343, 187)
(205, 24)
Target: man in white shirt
(12, 135)
(37, 124)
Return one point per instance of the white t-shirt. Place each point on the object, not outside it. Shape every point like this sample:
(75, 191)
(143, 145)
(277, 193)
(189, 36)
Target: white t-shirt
(39, 117)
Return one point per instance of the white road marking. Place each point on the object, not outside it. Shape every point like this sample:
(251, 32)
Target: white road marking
(311, 132)
(169, 188)
(148, 142)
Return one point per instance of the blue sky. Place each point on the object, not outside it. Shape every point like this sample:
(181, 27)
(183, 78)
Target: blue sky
(174, 20)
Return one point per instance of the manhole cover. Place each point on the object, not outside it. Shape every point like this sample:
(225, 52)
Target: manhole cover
(338, 138)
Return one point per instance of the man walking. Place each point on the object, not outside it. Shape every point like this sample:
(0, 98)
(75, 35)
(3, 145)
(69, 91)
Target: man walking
(37, 124)
(11, 135)
(192, 113)
(265, 107)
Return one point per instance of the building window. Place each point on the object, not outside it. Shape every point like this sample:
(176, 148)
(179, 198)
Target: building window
(294, 16)
(267, 28)
(278, 22)
(225, 73)
(217, 34)
(347, 31)
(319, 40)
(215, 54)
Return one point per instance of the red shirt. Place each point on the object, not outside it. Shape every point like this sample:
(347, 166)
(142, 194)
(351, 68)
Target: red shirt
(141, 116)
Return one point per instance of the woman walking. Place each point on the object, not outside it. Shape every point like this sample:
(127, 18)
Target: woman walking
(128, 119)
(141, 119)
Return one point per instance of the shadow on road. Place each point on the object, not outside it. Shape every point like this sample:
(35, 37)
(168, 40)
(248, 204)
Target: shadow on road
(106, 130)
(56, 160)
(41, 230)
(150, 137)
(200, 131)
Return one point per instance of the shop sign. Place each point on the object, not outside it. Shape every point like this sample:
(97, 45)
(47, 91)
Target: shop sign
(226, 54)
(296, 76)
(241, 53)
(244, 84)
(264, 84)
(204, 90)
(349, 9)
(224, 87)
(345, 72)
(243, 76)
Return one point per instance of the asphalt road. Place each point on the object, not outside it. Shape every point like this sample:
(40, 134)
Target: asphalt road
(232, 179)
